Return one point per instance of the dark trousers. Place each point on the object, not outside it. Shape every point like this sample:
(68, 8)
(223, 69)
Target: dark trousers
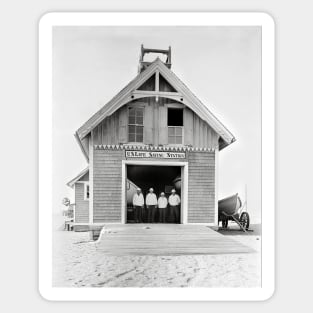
(162, 215)
(152, 209)
(174, 213)
(137, 214)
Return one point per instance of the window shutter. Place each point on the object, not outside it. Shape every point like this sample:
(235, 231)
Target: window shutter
(148, 124)
(122, 134)
(163, 125)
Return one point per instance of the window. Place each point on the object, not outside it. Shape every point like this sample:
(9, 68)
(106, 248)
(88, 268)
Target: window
(135, 124)
(175, 117)
(175, 123)
(175, 135)
(86, 191)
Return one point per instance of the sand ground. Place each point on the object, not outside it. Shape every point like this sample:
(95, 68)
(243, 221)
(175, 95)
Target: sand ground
(78, 263)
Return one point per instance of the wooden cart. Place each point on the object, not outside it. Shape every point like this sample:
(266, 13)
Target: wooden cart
(231, 209)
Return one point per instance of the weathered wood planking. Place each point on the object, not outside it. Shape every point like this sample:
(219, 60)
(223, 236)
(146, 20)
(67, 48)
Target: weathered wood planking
(201, 187)
(165, 85)
(149, 84)
(166, 239)
(148, 124)
(163, 138)
(107, 185)
(114, 128)
(81, 205)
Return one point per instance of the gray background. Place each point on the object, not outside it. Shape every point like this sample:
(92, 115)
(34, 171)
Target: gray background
(19, 157)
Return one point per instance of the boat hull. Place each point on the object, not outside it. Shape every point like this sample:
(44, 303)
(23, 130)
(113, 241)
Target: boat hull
(177, 183)
(229, 205)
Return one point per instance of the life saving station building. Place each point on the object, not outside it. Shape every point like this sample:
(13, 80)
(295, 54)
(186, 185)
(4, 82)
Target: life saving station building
(154, 133)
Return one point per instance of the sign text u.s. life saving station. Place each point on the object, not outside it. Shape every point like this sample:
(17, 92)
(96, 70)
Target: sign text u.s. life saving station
(155, 155)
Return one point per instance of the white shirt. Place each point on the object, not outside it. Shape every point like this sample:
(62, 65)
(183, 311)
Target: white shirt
(162, 202)
(151, 199)
(174, 200)
(138, 199)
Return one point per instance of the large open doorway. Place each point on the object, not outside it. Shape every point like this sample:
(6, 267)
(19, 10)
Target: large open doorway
(159, 177)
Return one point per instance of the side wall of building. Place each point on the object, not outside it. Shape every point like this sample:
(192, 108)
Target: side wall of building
(107, 185)
(81, 205)
(201, 187)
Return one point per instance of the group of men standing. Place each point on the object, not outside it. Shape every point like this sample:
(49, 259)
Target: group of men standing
(167, 210)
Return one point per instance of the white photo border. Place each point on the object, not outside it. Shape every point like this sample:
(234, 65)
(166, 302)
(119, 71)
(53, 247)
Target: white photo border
(46, 23)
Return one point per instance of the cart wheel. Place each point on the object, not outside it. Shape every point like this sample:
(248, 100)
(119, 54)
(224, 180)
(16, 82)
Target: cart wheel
(245, 220)
(224, 223)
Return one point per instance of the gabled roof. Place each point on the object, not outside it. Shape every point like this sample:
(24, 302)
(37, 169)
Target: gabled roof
(189, 99)
(72, 182)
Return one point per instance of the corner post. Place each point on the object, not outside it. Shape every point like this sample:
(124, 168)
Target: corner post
(91, 150)
(185, 195)
(123, 208)
(216, 187)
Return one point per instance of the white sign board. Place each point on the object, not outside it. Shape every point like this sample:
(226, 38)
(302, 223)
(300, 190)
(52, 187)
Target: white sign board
(155, 154)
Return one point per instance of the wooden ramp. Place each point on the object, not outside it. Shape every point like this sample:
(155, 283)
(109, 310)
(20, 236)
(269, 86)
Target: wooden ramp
(166, 239)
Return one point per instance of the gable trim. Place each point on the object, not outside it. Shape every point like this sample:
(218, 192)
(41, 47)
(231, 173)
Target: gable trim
(117, 101)
(72, 182)
(183, 95)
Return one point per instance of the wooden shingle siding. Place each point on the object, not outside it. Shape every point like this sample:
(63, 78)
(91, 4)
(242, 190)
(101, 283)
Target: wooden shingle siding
(107, 185)
(201, 188)
(114, 129)
(81, 205)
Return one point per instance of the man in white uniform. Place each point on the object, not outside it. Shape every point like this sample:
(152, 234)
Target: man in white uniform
(151, 203)
(138, 203)
(174, 202)
(162, 205)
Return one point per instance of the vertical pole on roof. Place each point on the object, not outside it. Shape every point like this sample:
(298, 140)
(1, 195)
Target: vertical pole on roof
(169, 54)
(141, 53)
(157, 84)
(91, 172)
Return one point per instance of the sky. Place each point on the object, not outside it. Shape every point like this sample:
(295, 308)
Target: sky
(220, 65)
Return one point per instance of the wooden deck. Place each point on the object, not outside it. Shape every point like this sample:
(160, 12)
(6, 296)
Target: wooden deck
(166, 239)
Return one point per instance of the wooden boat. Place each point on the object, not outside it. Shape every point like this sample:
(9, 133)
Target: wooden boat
(177, 183)
(231, 209)
(229, 205)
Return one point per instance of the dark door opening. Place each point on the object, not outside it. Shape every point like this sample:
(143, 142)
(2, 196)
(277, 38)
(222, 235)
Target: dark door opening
(161, 179)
